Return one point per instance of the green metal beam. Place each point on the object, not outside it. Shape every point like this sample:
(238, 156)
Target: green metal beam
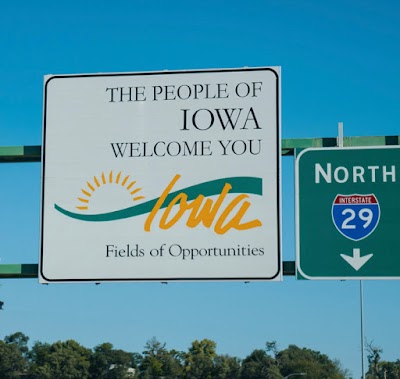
(289, 145)
(27, 270)
(24, 270)
(13, 154)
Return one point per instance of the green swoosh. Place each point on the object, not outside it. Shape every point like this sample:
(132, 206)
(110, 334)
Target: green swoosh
(242, 184)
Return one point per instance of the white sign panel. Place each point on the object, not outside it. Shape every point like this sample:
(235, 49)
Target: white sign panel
(161, 176)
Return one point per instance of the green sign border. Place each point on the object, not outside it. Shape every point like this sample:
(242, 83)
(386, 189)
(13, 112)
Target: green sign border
(300, 274)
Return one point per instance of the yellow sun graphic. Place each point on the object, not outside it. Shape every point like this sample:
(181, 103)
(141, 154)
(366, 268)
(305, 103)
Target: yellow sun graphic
(104, 179)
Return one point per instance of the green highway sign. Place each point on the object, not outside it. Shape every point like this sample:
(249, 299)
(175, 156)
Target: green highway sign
(348, 213)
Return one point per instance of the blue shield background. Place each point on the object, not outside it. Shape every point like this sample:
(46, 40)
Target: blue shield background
(347, 220)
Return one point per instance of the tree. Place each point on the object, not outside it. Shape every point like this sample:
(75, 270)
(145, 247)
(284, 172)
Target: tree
(271, 347)
(158, 362)
(20, 340)
(37, 357)
(108, 363)
(375, 369)
(12, 362)
(199, 361)
(390, 370)
(61, 360)
(69, 360)
(259, 365)
(226, 367)
(313, 363)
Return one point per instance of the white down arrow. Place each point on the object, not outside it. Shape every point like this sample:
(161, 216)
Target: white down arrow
(356, 261)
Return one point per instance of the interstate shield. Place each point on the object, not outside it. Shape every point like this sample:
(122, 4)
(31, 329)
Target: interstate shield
(355, 216)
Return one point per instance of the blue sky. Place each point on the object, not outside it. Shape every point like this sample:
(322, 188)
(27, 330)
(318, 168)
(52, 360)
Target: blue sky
(339, 62)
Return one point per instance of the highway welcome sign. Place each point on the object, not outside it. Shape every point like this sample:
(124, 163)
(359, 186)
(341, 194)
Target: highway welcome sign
(347, 213)
(170, 175)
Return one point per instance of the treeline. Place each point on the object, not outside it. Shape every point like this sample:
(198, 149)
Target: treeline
(378, 368)
(70, 360)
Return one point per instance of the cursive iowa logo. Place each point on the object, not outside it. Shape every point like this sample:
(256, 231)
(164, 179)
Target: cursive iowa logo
(221, 214)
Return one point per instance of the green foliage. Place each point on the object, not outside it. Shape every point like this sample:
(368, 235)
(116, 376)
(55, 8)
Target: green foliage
(374, 357)
(313, 363)
(390, 370)
(226, 367)
(379, 369)
(61, 360)
(20, 340)
(271, 347)
(108, 363)
(12, 362)
(199, 361)
(158, 362)
(259, 365)
(70, 360)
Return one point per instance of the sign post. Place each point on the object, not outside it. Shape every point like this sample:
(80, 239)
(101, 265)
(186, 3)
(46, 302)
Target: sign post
(161, 176)
(347, 213)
